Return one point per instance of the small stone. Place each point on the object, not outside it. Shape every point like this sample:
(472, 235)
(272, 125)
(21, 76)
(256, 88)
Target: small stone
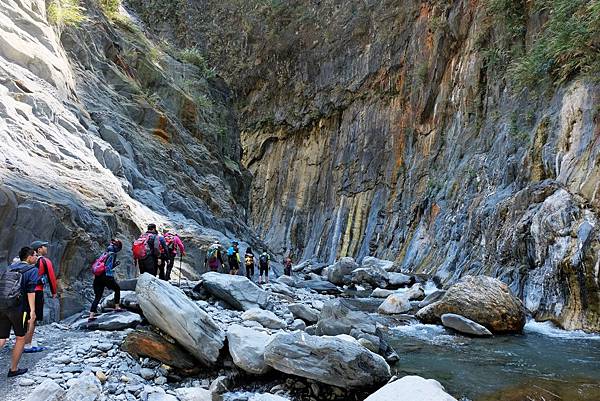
(62, 360)
(125, 379)
(160, 380)
(26, 382)
(104, 346)
(147, 374)
(101, 376)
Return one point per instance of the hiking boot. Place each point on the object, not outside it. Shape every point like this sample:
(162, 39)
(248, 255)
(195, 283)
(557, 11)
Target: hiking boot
(18, 372)
(34, 349)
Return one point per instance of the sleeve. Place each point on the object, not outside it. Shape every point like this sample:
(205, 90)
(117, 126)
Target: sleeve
(220, 257)
(178, 244)
(163, 243)
(31, 281)
(51, 276)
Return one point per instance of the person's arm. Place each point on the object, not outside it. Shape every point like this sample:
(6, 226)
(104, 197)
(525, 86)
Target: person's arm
(163, 244)
(30, 284)
(31, 301)
(51, 277)
(179, 244)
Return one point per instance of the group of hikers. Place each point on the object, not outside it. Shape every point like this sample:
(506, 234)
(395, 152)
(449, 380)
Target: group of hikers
(22, 283)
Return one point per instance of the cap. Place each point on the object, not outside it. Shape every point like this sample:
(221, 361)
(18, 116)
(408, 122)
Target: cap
(235, 243)
(35, 245)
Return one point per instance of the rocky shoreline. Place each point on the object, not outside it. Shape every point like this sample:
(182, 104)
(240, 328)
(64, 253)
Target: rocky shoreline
(318, 335)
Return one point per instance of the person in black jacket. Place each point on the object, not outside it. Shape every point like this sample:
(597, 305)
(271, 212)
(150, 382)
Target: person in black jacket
(17, 318)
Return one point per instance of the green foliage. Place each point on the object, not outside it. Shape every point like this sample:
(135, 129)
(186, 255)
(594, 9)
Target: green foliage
(195, 57)
(65, 12)
(568, 44)
(110, 7)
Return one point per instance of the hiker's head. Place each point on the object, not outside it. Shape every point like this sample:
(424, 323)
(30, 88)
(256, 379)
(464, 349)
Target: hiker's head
(27, 254)
(235, 244)
(166, 230)
(39, 247)
(265, 251)
(118, 245)
(152, 227)
(248, 250)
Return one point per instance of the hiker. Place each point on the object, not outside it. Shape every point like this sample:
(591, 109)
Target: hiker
(287, 266)
(16, 307)
(45, 275)
(249, 259)
(174, 244)
(149, 251)
(104, 276)
(263, 267)
(233, 257)
(214, 258)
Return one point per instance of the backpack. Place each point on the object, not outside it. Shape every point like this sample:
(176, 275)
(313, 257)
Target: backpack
(170, 240)
(99, 266)
(249, 259)
(11, 294)
(141, 247)
(211, 254)
(264, 260)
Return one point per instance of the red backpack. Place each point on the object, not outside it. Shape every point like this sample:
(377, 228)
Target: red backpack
(99, 266)
(141, 247)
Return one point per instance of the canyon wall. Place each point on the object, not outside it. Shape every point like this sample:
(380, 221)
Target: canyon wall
(424, 132)
(104, 130)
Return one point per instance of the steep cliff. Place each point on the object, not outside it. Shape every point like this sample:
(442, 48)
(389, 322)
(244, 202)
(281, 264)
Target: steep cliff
(452, 137)
(104, 129)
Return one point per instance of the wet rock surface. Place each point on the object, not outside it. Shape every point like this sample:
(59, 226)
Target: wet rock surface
(238, 291)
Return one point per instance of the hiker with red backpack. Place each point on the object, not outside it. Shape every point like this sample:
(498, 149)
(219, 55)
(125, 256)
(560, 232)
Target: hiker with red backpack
(104, 276)
(45, 275)
(149, 251)
(174, 244)
(17, 302)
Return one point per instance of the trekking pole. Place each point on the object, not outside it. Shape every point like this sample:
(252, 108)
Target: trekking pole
(180, 258)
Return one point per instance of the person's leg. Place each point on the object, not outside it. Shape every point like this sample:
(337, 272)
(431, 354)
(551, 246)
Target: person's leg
(112, 284)
(18, 322)
(98, 291)
(170, 264)
(16, 354)
(154, 269)
(161, 269)
(267, 275)
(39, 316)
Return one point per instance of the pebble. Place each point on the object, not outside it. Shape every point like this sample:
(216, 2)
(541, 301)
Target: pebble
(62, 360)
(101, 376)
(104, 347)
(147, 374)
(160, 380)
(125, 379)
(26, 382)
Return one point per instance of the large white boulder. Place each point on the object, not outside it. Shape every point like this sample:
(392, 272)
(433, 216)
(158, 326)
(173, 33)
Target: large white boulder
(247, 348)
(264, 317)
(331, 360)
(237, 291)
(411, 388)
(169, 309)
(48, 390)
(394, 304)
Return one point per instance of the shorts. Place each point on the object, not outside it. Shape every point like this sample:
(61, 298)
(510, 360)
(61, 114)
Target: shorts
(15, 320)
(39, 306)
(264, 270)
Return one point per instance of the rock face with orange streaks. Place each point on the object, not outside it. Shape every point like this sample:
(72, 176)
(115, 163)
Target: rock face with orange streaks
(393, 129)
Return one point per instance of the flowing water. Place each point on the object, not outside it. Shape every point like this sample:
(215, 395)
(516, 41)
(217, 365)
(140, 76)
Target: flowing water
(544, 363)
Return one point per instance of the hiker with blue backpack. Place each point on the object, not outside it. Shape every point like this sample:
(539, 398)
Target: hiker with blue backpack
(104, 276)
(17, 303)
(233, 257)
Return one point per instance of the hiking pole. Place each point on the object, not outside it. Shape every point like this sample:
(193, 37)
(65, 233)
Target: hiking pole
(180, 258)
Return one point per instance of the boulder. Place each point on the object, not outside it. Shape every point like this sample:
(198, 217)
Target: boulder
(331, 360)
(267, 397)
(237, 291)
(281, 289)
(86, 387)
(431, 298)
(247, 348)
(338, 317)
(321, 286)
(286, 280)
(297, 324)
(110, 321)
(304, 312)
(193, 394)
(399, 279)
(167, 308)
(146, 343)
(381, 293)
(411, 388)
(395, 304)
(128, 285)
(485, 300)
(128, 301)
(370, 261)
(464, 325)
(48, 390)
(374, 276)
(266, 318)
(414, 293)
(339, 273)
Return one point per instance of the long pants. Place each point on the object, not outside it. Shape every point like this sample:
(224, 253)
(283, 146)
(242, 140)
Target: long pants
(161, 269)
(250, 271)
(170, 263)
(100, 283)
(148, 265)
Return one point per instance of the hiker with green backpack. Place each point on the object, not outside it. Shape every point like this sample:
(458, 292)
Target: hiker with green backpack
(214, 258)
(104, 276)
(17, 302)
